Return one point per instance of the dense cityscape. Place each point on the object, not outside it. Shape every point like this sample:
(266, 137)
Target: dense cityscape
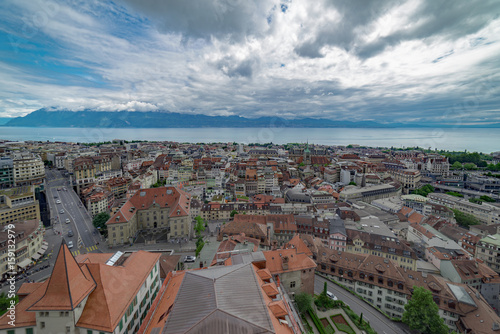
(149, 237)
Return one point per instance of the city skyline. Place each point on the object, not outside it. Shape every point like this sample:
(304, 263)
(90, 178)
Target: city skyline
(398, 61)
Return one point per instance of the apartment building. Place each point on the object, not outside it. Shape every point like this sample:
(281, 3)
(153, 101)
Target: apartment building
(17, 204)
(369, 194)
(409, 179)
(163, 209)
(488, 251)
(28, 169)
(486, 213)
(6, 172)
(360, 242)
(384, 284)
(94, 293)
(28, 243)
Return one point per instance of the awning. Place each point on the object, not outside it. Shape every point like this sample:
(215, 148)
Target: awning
(36, 256)
(41, 251)
(45, 243)
(44, 248)
(24, 263)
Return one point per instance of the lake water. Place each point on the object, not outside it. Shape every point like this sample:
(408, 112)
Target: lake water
(470, 139)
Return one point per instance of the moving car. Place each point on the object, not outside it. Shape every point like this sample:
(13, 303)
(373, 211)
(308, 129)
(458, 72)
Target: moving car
(70, 244)
(58, 202)
(331, 295)
(61, 211)
(68, 221)
(70, 233)
(189, 258)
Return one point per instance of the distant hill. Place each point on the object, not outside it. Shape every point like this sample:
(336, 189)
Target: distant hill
(150, 119)
(4, 120)
(51, 118)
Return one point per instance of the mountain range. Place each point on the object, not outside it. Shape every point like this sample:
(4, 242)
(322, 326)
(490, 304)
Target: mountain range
(47, 117)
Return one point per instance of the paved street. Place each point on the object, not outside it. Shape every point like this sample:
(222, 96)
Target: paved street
(378, 321)
(85, 237)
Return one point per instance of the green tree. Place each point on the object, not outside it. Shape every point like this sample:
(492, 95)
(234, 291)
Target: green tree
(424, 190)
(456, 165)
(5, 302)
(199, 227)
(470, 166)
(352, 183)
(482, 163)
(453, 193)
(485, 198)
(234, 212)
(422, 313)
(465, 219)
(100, 220)
(304, 302)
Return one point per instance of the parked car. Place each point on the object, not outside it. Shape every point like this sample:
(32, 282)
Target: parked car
(189, 258)
(70, 244)
(70, 233)
(331, 295)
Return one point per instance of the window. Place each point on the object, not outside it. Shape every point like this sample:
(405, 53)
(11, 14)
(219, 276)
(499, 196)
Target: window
(28, 331)
(68, 329)
(11, 331)
(292, 284)
(42, 325)
(89, 331)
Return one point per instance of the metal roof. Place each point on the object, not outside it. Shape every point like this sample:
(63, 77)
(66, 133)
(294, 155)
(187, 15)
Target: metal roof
(219, 300)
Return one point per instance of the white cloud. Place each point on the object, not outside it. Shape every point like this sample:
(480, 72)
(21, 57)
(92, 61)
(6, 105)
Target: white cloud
(342, 60)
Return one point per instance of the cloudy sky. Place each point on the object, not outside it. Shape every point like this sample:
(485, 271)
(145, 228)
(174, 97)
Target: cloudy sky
(381, 60)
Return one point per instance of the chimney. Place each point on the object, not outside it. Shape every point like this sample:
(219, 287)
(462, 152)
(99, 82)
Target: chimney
(285, 262)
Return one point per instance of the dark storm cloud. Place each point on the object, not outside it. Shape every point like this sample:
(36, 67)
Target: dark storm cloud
(226, 19)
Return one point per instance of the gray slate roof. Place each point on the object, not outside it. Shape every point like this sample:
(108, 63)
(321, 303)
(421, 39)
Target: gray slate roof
(219, 300)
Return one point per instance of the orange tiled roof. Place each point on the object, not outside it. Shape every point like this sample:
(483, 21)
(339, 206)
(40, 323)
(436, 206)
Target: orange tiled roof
(116, 288)
(296, 261)
(68, 285)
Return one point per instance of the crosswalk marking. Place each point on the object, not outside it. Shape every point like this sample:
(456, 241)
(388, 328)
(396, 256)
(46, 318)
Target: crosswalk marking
(91, 248)
(75, 253)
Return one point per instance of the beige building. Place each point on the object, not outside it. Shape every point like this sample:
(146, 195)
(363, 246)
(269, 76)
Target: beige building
(409, 179)
(18, 204)
(369, 194)
(28, 169)
(164, 209)
(359, 242)
(28, 242)
(488, 251)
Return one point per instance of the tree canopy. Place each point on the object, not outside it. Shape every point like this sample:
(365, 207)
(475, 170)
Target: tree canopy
(424, 190)
(304, 301)
(5, 302)
(199, 226)
(100, 220)
(465, 219)
(422, 313)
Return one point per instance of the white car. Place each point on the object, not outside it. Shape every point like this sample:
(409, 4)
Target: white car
(58, 202)
(70, 244)
(68, 221)
(189, 258)
(331, 295)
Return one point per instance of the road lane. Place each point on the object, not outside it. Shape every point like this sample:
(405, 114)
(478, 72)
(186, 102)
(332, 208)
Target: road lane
(378, 321)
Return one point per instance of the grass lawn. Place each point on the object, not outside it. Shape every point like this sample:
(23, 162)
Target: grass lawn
(342, 324)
